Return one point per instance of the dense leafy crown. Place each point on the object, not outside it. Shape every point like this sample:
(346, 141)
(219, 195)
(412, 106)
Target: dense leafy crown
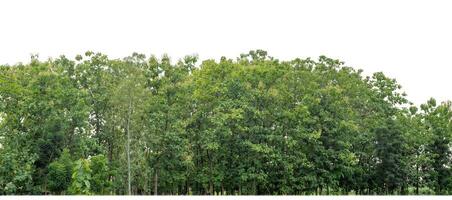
(251, 125)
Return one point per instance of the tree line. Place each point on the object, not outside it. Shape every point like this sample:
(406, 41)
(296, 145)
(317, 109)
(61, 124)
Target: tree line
(252, 125)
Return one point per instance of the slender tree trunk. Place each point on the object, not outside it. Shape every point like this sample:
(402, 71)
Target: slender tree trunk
(417, 179)
(156, 181)
(128, 147)
(211, 188)
(253, 186)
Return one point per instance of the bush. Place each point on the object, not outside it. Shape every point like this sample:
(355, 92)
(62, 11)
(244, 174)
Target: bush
(60, 173)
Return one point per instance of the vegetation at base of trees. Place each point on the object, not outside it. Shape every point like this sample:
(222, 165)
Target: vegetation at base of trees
(251, 125)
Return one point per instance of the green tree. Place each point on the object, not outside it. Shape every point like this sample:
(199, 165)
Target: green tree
(100, 183)
(438, 122)
(81, 178)
(60, 173)
(251, 125)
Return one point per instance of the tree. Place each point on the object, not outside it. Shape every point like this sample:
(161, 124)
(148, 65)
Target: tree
(100, 183)
(391, 167)
(60, 173)
(252, 125)
(16, 169)
(81, 178)
(438, 122)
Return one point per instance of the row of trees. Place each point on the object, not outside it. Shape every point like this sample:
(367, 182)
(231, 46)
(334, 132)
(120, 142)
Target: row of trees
(254, 125)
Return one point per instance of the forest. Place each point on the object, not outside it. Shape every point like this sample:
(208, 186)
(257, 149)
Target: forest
(251, 125)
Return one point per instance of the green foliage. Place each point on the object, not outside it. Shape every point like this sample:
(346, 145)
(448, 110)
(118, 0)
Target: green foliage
(16, 168)
(59, 175)
(81, 178)
(100, 183)
(254, 125)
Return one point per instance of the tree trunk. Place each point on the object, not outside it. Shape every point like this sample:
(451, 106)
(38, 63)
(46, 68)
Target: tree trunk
(417, 179)
(156, 181)
(128, 147)
(211, 188)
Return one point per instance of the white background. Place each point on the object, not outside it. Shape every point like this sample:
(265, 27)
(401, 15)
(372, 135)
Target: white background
(407, 40)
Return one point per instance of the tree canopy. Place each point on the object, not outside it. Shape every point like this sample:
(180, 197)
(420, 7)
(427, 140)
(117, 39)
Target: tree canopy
(253, 125)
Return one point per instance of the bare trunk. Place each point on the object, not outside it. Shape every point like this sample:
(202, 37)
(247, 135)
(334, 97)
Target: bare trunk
(417, 180)
(211, 188)
(156, 181)
(128, 147)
